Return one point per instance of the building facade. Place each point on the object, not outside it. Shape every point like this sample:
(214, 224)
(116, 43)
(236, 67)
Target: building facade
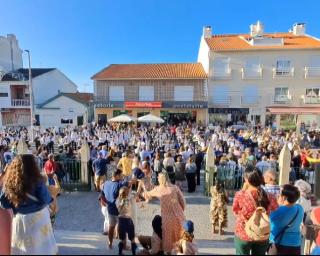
(10, 54)
(72, 109)
(15, 96)
(175, 92)
(262, 77)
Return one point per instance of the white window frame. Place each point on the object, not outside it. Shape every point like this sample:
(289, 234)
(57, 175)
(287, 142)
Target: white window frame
(248, 96)
(221, 70)
(283, 96)
(146, 93)
(283, 66)
(178, 89)
(220, 98)
(313, 89)
(116, 97)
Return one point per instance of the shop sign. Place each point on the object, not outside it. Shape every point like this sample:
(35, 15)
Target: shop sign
(229, 111)
(142, 104)
(109, 105)
(186, 104)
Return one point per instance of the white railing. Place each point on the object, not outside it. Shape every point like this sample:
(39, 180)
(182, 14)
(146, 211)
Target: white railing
(221, 73)
(283, 72)
(250, 100)
(311, 100)
(282, 99)
(312, 72)
(20, 102)
(250, 73)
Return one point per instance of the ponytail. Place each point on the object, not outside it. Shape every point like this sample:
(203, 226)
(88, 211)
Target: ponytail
(263, 199)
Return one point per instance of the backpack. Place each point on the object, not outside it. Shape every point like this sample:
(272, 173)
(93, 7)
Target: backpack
(258, 226)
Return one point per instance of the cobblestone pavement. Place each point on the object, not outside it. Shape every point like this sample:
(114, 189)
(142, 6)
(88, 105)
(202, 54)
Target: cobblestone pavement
(79, 224)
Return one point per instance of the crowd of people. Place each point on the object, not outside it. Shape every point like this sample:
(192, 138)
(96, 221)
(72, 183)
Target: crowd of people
(132, 165)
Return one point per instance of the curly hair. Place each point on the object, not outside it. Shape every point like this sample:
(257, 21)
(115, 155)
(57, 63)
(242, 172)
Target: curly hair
(21, 177)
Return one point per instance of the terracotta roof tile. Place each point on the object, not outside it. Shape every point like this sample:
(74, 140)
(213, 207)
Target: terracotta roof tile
(151, 71)
(82, 97)
(238, 42)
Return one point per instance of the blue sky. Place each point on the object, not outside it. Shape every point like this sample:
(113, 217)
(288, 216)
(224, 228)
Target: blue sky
(80, 37)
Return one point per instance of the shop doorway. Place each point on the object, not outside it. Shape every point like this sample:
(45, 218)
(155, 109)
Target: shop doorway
(102, 119)
(80, 120)
(238, 118)
(140, 114)
(177, 118)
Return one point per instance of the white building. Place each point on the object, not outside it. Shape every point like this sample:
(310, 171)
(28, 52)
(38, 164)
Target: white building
(65, 109)
(262, 77)
(15, 98)
(10, 54)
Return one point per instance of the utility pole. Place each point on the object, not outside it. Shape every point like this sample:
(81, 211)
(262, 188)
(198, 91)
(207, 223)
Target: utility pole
(31, 95)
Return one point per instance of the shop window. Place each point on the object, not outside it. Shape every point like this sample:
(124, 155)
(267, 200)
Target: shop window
(116, 93)
(119, 112)
(146, 93)
(140, 114)
(288, 122)
(66, 121)
(183, 93)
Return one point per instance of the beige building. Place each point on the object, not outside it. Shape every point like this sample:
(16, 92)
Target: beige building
(175, 92)
(262, 77)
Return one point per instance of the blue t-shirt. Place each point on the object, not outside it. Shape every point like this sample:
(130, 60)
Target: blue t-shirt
(111, 192)
(100, 166)
(280, 218)
(316, 251)
(42, 199)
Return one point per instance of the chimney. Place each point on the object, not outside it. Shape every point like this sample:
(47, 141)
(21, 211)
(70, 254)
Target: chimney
(11, 37)
(257, 30)
(299, 29)
(207, 32)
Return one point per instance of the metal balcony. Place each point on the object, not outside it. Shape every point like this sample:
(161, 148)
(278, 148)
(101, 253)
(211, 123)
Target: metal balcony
(311, 72)
(221, 74)
(283, 73)
(250, 100)
(282, 100)
(250, 73)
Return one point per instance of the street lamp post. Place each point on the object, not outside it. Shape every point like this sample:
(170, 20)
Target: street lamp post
(31, 94)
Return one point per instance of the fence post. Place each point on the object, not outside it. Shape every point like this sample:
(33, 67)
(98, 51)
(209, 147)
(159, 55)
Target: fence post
(284, 165)
(85, 157)
(22, 147)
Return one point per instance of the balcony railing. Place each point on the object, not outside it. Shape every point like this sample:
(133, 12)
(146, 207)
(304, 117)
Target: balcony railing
(311, 100)
(311, 72)
(283, 72)
(222, 73)
(282, 99)
(250, 100)
(20, 102)
(251, 73)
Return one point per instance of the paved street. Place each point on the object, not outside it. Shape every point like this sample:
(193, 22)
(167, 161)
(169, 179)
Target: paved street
(79, 224)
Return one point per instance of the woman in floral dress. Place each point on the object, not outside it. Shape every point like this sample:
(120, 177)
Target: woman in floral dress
(172, 211)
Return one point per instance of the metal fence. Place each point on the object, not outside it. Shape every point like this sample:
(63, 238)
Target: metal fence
(231, 176)
(74, 175)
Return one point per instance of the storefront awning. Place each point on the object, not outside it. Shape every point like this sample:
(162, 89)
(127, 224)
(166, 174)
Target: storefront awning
(294, 110)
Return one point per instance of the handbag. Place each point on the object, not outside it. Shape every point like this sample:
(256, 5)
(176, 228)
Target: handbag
(273, 250)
